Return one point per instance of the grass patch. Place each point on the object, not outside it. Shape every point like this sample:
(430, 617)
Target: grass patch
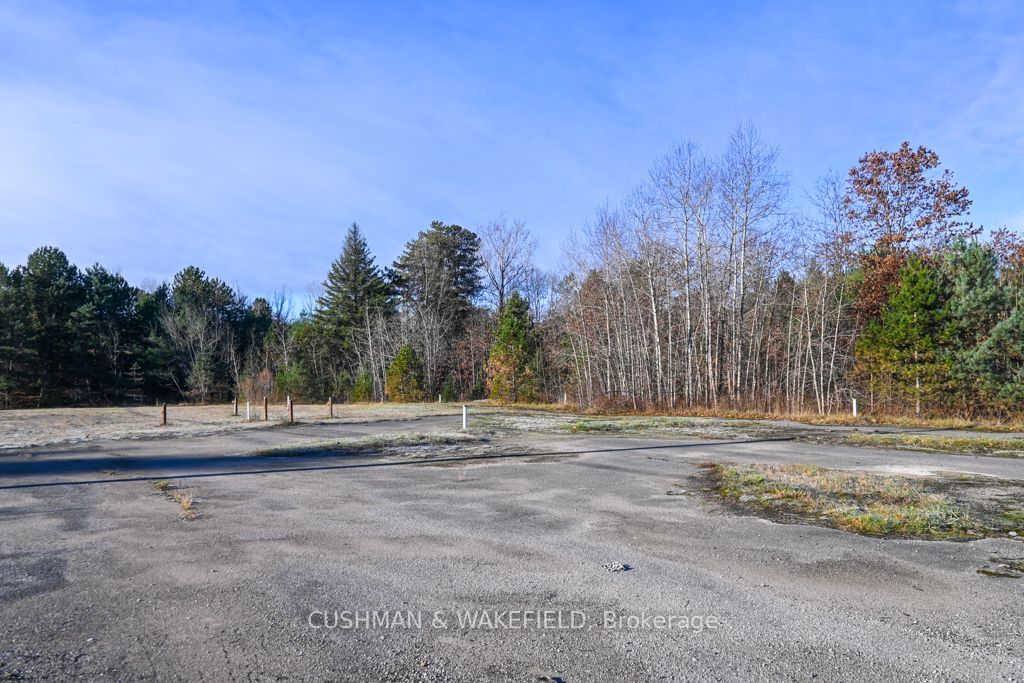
(587, 426)
(860, 502)
(635, 425)
(982, 445)
(843, 419)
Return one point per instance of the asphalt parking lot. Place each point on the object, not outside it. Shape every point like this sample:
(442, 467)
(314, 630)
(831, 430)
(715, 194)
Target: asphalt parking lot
(533, 556)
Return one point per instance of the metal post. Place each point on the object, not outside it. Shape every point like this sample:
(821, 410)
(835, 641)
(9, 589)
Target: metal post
(465, 417)
(163, 415)
(855, 407)
(266, 409)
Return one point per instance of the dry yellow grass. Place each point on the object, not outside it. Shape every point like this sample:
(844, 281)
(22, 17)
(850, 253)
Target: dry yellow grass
(854, 501)
(841, 419)
(185, 499)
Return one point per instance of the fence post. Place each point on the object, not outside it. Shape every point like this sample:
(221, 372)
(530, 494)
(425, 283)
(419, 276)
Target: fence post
(465, 417)
(330, 406)
(266, 409)
(163, 415)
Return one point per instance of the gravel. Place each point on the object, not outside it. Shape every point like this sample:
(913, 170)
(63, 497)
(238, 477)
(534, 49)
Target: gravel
(106, 580)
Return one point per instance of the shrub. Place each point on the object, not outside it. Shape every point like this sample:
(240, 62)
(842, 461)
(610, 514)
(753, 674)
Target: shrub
(405, 377)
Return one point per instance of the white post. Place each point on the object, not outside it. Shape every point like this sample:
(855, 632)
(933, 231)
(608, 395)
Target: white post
(247, 415)
(439, 398)
(234, 409)
(465, 417)
(855, 407)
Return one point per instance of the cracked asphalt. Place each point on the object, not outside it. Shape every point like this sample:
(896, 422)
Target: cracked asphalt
(100, 577)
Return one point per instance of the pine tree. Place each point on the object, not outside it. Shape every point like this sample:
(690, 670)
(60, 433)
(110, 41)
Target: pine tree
(51, 290)
(437, 278)
(354, 288)
(998, 363)
(510, 366)
(902, 351)
(977, 302)
(405, 377)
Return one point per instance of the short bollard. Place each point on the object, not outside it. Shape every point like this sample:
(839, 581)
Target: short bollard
(465, 417)
(855, 407)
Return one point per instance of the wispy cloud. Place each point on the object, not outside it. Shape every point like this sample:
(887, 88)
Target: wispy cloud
(244, 140)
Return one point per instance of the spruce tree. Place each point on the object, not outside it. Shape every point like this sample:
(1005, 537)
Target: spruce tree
(354, 288)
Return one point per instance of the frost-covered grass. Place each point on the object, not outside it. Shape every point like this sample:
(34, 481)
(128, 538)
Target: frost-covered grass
(861, 502)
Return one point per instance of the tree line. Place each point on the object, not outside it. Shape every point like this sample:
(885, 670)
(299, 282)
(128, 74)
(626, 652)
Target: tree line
(704, 288)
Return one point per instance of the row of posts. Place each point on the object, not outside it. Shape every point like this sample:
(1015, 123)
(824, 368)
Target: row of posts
(330, 410)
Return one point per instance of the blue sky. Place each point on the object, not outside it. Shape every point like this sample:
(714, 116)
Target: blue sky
(245, 137)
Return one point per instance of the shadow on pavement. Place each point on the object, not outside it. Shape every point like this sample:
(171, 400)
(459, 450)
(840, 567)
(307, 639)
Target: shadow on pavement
(291, 463)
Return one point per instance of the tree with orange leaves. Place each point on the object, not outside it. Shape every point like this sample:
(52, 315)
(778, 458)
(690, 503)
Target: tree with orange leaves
(901, 205)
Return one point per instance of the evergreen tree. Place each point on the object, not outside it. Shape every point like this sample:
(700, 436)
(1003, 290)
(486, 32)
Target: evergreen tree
(51, 290)
(901, 353)
(511, 374)
(14, 357)
(109, 330)
(362, 391)
(437, 278)
(354, 288)
(405, 377)
(977, 302)
(998, 363)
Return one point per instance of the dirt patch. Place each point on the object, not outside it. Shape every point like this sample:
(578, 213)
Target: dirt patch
(935, 508)
(1004, 568)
